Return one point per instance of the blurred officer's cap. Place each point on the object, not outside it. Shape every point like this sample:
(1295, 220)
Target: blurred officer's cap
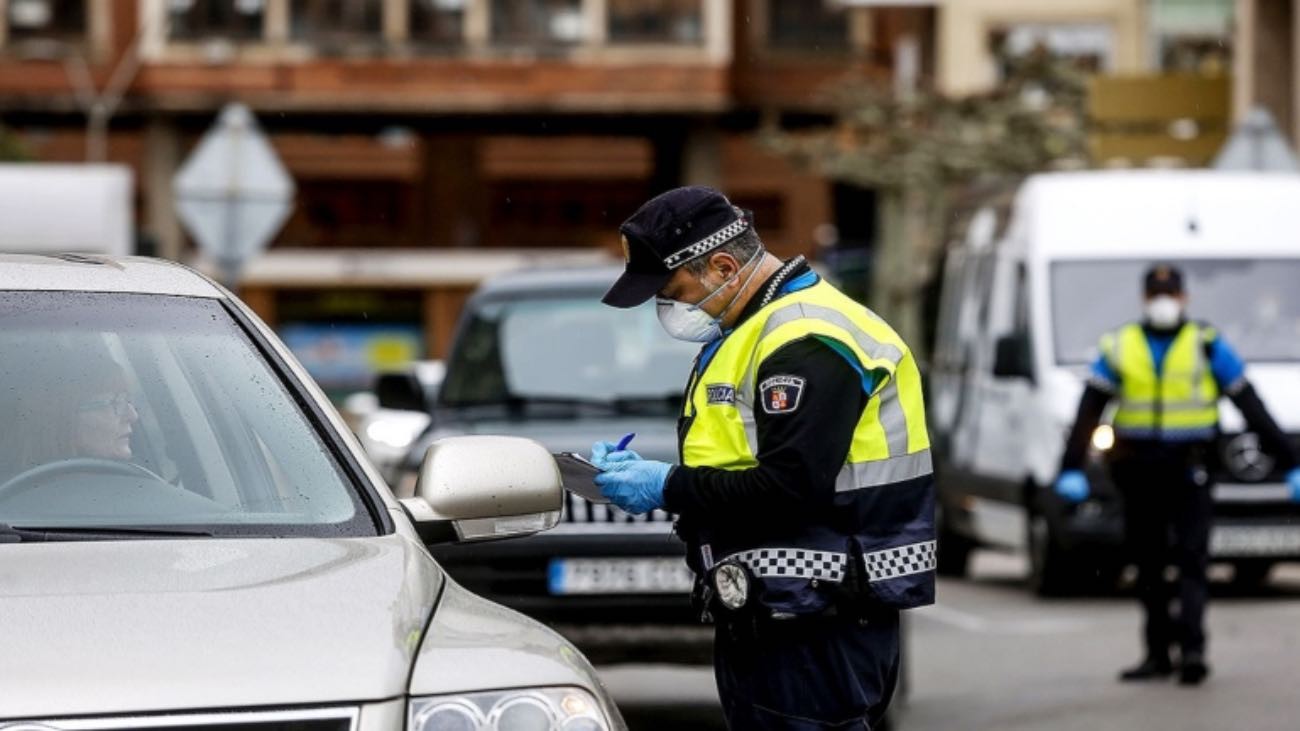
(1162, 279)
(668, 231)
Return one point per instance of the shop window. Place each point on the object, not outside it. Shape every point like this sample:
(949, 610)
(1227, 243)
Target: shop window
(337, 24)
(656, 21)
(194, 20)
(537, 22)
(437, 22)
(36, 24)
(808, 25)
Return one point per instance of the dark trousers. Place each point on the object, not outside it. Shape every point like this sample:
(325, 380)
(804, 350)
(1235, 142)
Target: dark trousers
(1168, 510)
(807, 674)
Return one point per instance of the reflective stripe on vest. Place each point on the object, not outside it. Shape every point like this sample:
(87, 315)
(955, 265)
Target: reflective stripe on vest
(890, 443)
(1178, 400)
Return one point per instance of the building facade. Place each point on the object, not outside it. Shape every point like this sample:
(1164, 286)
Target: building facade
(448, 123)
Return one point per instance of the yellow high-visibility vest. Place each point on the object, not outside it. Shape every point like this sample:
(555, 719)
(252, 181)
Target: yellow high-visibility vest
(890, 443)
(1177, 401)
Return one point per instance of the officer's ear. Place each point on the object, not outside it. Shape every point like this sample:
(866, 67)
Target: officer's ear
(724, 265)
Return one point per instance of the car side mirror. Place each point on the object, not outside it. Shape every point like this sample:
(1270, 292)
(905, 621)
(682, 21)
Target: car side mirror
(1013, 357)
(401, 391)
(476, 488)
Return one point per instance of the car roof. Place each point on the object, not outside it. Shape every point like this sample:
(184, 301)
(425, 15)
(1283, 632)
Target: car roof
(95, 273)
(545, 281)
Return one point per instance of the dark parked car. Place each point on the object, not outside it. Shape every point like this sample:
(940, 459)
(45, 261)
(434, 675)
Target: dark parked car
(537, 355)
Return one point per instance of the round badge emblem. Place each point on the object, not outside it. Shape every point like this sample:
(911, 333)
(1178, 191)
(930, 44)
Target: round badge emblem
(732, 585)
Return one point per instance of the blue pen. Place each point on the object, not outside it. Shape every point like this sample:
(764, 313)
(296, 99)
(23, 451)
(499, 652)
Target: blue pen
(622, 443)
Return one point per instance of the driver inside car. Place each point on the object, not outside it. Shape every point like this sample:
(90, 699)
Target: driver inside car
(83, 411)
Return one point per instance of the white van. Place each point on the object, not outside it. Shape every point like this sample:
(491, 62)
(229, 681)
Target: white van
(1025, 298)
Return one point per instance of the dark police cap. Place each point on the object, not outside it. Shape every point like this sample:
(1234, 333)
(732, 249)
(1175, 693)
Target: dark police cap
(1162, 279)
(668, 231)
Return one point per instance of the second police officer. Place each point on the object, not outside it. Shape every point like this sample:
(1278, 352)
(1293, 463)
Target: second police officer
(1166, 374)
(804, 492)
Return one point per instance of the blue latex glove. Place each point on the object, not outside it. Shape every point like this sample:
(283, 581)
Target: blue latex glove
(1073, 486)
(604, 454)
(1293, 481)
(635, 485)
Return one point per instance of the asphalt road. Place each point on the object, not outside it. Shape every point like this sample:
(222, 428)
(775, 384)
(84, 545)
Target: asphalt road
(990, 656)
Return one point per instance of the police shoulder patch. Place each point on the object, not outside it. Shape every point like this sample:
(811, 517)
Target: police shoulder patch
(721, 393)
(780, 394)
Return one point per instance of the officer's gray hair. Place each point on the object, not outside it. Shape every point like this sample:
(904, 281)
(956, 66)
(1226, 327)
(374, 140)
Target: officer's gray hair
(743, 248)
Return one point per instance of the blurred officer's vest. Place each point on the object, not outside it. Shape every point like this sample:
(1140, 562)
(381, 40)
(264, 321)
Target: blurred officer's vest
(1178, 402)
(876, 534)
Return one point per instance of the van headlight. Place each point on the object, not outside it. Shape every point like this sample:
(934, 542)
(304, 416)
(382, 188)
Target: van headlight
(1103, 438)
(534, 709)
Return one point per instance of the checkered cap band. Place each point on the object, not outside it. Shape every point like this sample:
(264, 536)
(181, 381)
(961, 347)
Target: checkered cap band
(893, 563)
(710, 242)
(794, 563)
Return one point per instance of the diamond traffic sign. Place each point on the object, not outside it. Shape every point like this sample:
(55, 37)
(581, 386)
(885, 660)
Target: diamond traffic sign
(233, 193)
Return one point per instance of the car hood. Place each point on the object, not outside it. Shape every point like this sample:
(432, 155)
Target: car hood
(158, 625)
(655, 438)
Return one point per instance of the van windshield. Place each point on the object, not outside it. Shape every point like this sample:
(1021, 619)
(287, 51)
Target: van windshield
(1255, 303)
(557, 352)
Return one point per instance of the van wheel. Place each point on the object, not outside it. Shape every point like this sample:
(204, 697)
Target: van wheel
(1051, 573)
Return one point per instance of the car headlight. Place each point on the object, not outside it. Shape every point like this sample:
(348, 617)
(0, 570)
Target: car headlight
(533, 709)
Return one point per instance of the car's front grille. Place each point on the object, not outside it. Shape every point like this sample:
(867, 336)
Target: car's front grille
(580, 510)
(321, 719)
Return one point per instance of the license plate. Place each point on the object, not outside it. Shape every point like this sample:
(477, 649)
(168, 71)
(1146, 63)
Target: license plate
(619, 576)
(1232, 540)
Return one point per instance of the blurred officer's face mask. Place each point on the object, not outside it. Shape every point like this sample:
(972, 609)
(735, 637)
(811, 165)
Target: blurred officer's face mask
(690, 322)
(1164, 311)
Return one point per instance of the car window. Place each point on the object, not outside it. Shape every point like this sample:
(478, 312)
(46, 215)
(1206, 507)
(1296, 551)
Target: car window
(152, 410)
(1253, 302)
(565, 348)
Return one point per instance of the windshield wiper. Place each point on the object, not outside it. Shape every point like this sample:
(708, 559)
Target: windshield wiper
(43, 534)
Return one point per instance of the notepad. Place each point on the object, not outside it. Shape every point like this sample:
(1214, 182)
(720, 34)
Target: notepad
(578, 475)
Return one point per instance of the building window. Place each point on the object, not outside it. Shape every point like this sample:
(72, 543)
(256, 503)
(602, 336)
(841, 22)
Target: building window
(537, 22)
(437, 22)
(46, 25)
(1090, 46)
(238, 20)
(808, 25)
(656, 21)
(1193, 36)
(336, 23)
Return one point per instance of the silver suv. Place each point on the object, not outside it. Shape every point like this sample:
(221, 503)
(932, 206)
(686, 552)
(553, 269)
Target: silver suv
(190, 537)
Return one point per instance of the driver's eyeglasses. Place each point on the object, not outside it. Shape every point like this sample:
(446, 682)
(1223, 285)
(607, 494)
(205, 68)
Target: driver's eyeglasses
(120, 403)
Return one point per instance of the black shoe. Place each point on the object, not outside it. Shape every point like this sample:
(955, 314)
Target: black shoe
(1152, 668)
(1193, 670)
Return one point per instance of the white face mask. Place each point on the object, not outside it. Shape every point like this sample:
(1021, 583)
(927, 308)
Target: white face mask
(1164, 311)
(691, 323)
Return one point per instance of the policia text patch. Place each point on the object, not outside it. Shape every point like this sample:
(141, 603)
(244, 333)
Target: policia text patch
(781, 394)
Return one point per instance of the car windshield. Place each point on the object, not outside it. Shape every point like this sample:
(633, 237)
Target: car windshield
(1255, 303)
(143, 410)
(566, 351)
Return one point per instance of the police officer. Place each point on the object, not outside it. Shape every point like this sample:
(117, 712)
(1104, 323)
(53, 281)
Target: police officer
(804, 492)
(1167, 373)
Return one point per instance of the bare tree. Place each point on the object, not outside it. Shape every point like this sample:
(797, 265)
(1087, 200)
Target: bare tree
(917, 148)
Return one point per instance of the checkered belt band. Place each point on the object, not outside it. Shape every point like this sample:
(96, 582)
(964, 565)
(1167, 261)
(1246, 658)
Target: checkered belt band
(794, 563)
(892, 563)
